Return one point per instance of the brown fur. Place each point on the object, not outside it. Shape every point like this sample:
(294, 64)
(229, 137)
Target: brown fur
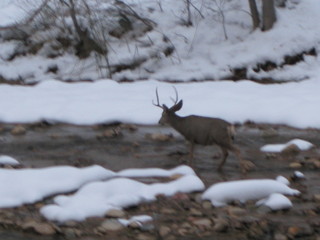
(202, 130)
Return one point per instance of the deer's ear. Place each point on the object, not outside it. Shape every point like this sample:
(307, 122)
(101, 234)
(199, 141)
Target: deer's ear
(177, 107)
(165, 107)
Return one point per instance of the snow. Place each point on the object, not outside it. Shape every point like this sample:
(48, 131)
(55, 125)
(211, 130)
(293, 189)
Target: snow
(104, 101)
(223, 193)
(201, 50)
(135, 219)
(156, 172)
(299, 174)
(7, 160)
(276, 201)
(301, 144)
(24, 186)
(95, 199)
(97, 189)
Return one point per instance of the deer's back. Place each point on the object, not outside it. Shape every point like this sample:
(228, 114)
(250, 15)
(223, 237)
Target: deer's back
(206, 130)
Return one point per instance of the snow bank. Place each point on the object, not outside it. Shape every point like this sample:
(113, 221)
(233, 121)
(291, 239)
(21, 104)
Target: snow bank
(292, 104)
(95, 199)
(221, 194)
(276, 201)
(23, 186)
(7, 160)
(156, 172)
(301, 144)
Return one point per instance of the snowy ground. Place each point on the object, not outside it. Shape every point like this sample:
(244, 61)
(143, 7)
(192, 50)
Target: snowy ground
(201, 51)
(99, 190)
(292, 104)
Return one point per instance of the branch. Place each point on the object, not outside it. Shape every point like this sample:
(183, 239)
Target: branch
(30, 19)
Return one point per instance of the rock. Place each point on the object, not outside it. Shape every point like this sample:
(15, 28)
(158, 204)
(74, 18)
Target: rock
(111, 133)
(280, 236)
(295, 165)
(110, 225)
(143, 236)
(130, 127)
(175, 176)
(291, 149)
(40, 228)
(314, 163)
(268, 133)
(207, 205)
(202, 223)
(181, 197)
(72, 233)
(159, 137)
(18, 130)
(167, 211)
(115, 213)
(236, 211)
(220, 225)
(300, 231)
(195, 212)
(316, 197)
(164, 231)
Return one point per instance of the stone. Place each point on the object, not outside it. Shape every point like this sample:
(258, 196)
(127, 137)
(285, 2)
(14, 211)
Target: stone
(300, 231)
(167, 211)
(115, 213)
(110, 225)
(207, 205)
(268, 133)
(159, 137)
(295, 165)
(164, 231)
(220, 225)
(236, 211)
(316, 197)
(18, 130)
(280, 236)
(40, 228)
(72, 233)
(203, 223)
(291, 149)
(143, 236)
(195, 212)
(110, 133)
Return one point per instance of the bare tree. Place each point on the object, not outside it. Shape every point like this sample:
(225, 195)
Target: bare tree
(254, 13)
(268, 14)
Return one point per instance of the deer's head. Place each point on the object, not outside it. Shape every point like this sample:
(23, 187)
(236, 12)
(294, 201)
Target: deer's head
(168, 113)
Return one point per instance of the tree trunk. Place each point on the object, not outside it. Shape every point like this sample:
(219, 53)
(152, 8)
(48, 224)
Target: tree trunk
(268, 14)
(254, 14)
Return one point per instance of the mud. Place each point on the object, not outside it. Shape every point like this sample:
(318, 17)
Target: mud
(119, 146)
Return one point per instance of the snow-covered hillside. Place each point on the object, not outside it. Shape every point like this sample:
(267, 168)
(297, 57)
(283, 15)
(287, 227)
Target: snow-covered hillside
(201, 51)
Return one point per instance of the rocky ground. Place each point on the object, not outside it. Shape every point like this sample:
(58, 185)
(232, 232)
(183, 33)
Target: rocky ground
(183, 216)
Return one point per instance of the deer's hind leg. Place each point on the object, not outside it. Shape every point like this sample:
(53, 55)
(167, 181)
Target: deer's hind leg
(245, 165)
(224, 157)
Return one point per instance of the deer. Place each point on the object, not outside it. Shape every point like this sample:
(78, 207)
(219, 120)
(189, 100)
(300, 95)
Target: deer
(202, 131)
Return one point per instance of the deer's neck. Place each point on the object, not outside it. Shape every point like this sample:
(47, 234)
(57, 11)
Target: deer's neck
(177, 122)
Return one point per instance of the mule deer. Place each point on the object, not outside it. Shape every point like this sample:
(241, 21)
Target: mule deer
(202, 130)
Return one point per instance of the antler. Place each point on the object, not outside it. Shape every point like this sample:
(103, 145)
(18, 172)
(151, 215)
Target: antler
(175, 101)
(158, 103)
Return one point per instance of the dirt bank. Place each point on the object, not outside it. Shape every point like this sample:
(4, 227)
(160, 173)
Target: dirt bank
(183, 216)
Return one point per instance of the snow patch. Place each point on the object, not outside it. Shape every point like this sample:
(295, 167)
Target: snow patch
(7, 160)
(276, 201)
(221, 194)
(301, 144)
(95, 199)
